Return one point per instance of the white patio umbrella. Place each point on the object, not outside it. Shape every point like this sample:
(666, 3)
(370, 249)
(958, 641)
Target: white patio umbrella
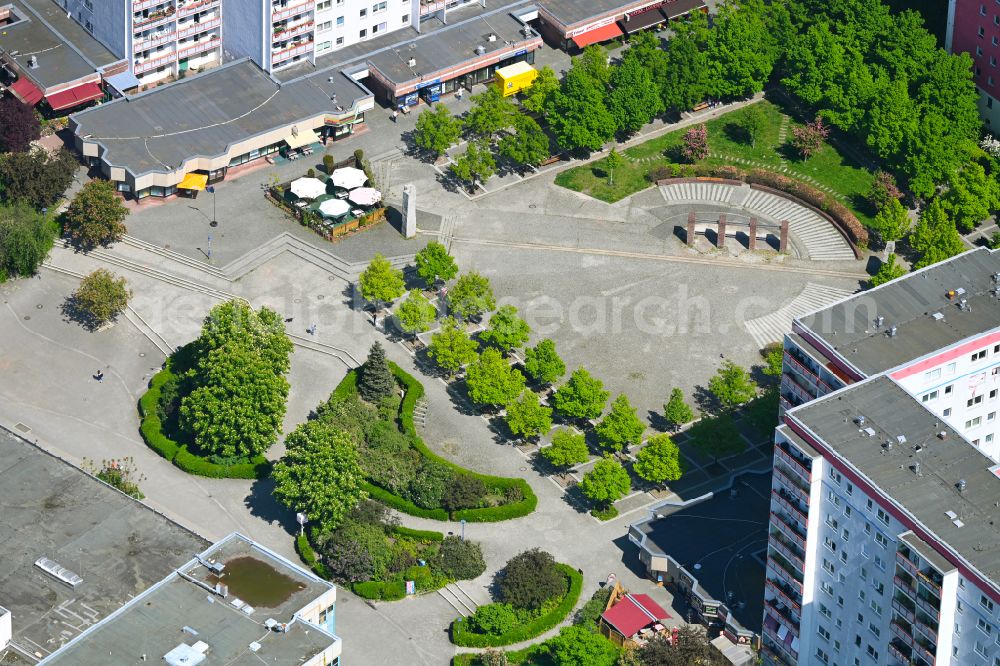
(334, 207)
(308, 188)
(365, 196)
(349, 178)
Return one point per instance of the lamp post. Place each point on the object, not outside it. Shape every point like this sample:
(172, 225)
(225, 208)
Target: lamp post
(301, 518)
(463, 528)
(214, 222)
(210, 247)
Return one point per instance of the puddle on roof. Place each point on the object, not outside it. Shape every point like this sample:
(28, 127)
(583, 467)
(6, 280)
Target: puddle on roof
(257, 582)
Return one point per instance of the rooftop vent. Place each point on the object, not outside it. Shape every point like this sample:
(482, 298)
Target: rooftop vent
(412, 62)
(33, 62)
(480, 50)
(961, 485)
(938, 316)
(254, 647)
(271, 623)
(492, 37)
(996, 277)
(860, 420)
(59, 573)
(879, 320)
(951, 515)
(891, 332)
(869, 431)
(964, 304)
(237, 603)
(958, 523)
(916, 467)
(943, 434)
(188, 630)
(900, 439)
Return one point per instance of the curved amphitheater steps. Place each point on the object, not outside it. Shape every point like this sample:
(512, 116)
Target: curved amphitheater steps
(772, 327)
(816, 236)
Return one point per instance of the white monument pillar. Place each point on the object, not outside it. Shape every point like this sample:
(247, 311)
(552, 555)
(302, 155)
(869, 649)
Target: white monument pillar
(409, 210)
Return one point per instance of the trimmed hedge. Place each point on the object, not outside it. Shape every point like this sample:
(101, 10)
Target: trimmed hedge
(413, 391)
(151, 429)
(420, 535)
(375, 590)
(463, 637)
(308, 555)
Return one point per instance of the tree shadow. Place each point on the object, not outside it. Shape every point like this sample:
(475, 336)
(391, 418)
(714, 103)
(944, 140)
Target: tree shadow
(630, 556)
(659, 422)
(736, 134)
(501, 433)
(458, 391)
(706, 402)
(73, 312)
(576, 500)
(262, 504)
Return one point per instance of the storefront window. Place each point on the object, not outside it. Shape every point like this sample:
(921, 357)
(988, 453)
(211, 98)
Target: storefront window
(142, 194)
(123, 187)
(156, 191)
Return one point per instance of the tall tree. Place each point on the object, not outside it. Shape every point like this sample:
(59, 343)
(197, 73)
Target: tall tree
(490, 114)
(606, 483)
(437, 130)
(471, 296)
(375, 379)
(451, 348)
(507, 330)
(731, 385)
(686, 78)
(568, 448)
(582, 397)
(659, 461)
(18, 125)
(888, 271)
(101, 297)
(892, 222)
(935, 236)
(492, 381)
(36, 178)
(476, 164)
(741, 52)
(380, 282)
(579, 646)
(526, 143)
(435, 264)
(415, 314)
(527, 417)
(319, 474)
(543, 364)
(236, 322)
(26, 237)
(97, 215)
(676, 411)
(752, 121)
(593, 62)
(635, 98)
(579, 117)
(621, 427)
(612, 162)
(539, 94)
(972, 196)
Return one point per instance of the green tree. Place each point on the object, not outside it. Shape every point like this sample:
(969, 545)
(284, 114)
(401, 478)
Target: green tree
(416, 313)
(101, 297)
(380, 282)
(435, 264)
(476, 164)
(490, 114)
(622, 427)
(578, 646)
(461, 559)
(492, 381)
(495, 618)
(238, 405)
(676, 411)
(888, 271)
(606, 483)
(593, 62)
(464, 492)
(972, 196)
(612, 162)
(97, 215)
(731, 385)
(635, 99)
(319, 474)
(686, 76)
(18, 125)
(531, 578)
(36, 178)
(892, 221)
(774, 358)
(236, 323)
(527, 417)
(437, 130)
(692, 647)
(659, 461)
(568, 448)
(375, 379)
(582, 397)
(935, 237)
(26, 237)
(506, 331)
(579, 117)
(741, 52)
(526, 144)
(539, 94)
(543, 364)
(471, 296)
(752, 121)
(451, 348)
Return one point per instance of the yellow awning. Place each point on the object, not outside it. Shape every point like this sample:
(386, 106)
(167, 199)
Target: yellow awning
(193, 181)
(302, 139)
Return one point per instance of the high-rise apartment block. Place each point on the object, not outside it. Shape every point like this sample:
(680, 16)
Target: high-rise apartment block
(882, 544)
(974, 28)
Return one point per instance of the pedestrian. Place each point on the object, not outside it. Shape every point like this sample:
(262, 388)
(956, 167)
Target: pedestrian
(100, 375)
(458, 94)
(395, 115)
(312, 329)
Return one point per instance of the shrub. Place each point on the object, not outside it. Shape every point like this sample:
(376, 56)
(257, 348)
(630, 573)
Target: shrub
(464, 492)
(419, 535)
(462, 560)
(605, 513)
(308, 555)
(496, 618)
(428, 487)
(151, 426)
(590, 613)
(695, 147)
(530, 579)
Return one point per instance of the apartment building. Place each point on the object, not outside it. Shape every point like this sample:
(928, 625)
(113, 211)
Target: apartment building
(882, 547)
(974, 28)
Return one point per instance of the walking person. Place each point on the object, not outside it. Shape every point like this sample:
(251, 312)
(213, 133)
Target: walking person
(99, 376)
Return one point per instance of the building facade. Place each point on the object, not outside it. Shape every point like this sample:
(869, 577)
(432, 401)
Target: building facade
(877, 540)
(974, 28)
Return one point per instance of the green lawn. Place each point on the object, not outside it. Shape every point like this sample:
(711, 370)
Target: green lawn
(828, 167)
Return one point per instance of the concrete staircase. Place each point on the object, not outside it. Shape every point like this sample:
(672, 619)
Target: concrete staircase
(772, 327)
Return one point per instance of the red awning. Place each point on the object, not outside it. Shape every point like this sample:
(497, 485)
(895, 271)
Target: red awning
(634, 612)
(75, 96)
(26, 91)
(602, 34)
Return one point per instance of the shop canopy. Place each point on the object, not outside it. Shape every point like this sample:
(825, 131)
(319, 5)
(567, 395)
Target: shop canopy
(193, 181)
(26, 91)
(634, 612)
(301, 139)
(75, 96)
(675, 8)
(642, 20)
(602, 34)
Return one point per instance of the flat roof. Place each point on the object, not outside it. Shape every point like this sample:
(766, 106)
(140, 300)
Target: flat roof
(202, 116)
(58, 61)
(118, 546)
(571, 12)
(183, 610)
(65, 27)
(891, 412)
(908, 304)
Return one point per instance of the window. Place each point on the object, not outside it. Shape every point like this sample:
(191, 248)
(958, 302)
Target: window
(323, 5)
(831, 521)
(826, 587)
(984, 626)
(933, 374)
(324, 26)
(975, 400)
(982, 10)
(993, 61)
(875, 607)
(406, 18)
(975, 442)
(340, 41)
(821, 656)
(88, 4)
(824, 632)
(846, 536)
(364, 12)
(882, 516)
(850, 489)
(927, 397)
(835, 475)
(363, 33)
(378, 28)
(90, 28)
(993, 394)
(946, 412)
(340, 21)
(881, 540)
(996, 40)
(989, 80)
(872, 652)
(978, 356)
(948, 388)
(828, 566)
(951, 367)
(869, 505)
(872, 627)
(980, 649)
(879, 588)
(989, 438)
(864, 574)
(324, 46)
(972, 423)
(829, 543)
(982, 32)
(833, 498)
(847, 510)
(986, 603)
(824, 611)
(378, 7)
(879, 563)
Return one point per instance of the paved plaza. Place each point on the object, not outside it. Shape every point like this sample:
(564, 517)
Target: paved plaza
(612, 284)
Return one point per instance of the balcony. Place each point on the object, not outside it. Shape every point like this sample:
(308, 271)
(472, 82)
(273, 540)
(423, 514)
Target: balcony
(286, 31)
(139, 5)
(280, 12)
(782, 614)
(788, 656)
(905, 562)
(925, 629)
(925, 649)
(932, 581)
(801, 467)
(186, 51)
(152, 41)
(193, 28)
(785, 593)
(291, 52)
(788, 501)
(790, 529)
(790, 384)
(904, 586)
(148, 64)
(152, 19)
(900, 651)
(431, 6)
(782, 474)
(786, 572)
(188, 8)
(928, 606)
(904, 607)
(780, 543)
(902, 630)
(808, 374)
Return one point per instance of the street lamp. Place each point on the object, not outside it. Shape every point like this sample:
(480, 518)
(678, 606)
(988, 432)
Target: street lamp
(214, 222)
(301, 518)
(463, 528)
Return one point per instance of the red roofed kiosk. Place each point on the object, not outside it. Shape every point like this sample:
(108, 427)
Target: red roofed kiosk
(632, 619)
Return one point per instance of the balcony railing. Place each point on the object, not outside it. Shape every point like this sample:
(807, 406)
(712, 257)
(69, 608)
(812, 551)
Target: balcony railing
(783, 545)
(900, 651)
(930, 581)
(899, 604)
(789, 529)
(784, 616)
(139, 5)
(809, 374)
(785, 650)
(152, 41)
(785, 593)
(902, 630)
(282, 12)
(191, 7)
(925, 649)
(430, 6)
(166, 14)
(926, 630)
(904, 586)
(927, 606)
(789, 383)
(199, 47)
(800, 466)
(788, 501)
(906, 563)
(291, 52)
(786, 478)
(153, 63)
(786, 572)
(281, 33)
(188, 29)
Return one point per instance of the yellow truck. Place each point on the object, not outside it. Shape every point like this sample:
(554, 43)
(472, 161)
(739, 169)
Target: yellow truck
(512, 79)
